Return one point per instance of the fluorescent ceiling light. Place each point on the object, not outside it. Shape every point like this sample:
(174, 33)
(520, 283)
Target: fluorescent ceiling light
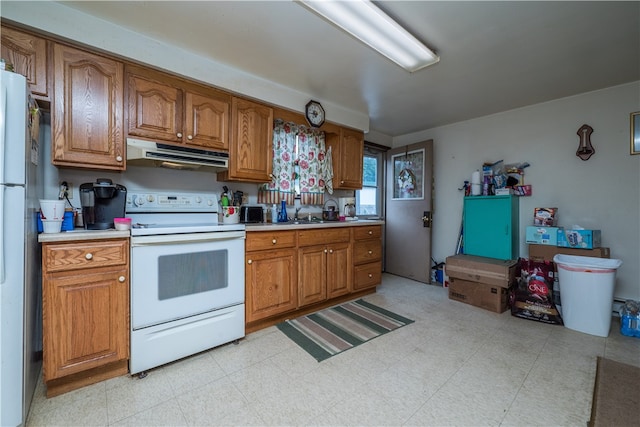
(366, 22)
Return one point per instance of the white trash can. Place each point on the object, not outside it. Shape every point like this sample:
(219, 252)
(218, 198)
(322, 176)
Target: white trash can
(586, 292)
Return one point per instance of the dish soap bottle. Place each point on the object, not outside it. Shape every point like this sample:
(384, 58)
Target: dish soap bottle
(283, 212)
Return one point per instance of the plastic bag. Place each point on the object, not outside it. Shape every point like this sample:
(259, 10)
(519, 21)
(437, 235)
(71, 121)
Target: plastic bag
(532, 297)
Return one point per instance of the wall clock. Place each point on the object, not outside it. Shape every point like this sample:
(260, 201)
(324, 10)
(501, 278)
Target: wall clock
(314, 113)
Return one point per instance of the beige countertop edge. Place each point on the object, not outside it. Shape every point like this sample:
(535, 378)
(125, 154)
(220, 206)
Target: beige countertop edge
(66, 236)
(291, 226)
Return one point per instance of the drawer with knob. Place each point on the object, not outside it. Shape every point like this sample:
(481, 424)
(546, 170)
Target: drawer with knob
(74, 256)
(266, 240)
(367, 251)
(367, 275)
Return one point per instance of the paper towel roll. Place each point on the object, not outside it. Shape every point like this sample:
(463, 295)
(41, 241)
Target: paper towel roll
(476, 189)
(475, 177)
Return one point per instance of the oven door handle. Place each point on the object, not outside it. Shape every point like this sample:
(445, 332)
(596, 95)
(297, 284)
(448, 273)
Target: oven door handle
(169, 239)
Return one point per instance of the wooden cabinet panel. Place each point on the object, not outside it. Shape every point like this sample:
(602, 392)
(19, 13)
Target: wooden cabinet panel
(367, 275)
(338, 270)
(87, 111)
(78, 255)
(367, 251)
(347, 151)
(250, 149)
(270, 278)
(155, 109)
(86, 322)
(313, 275)
(29, 56)
(207, 121)
(367, 232)
(323, 236)
(164, 108)
(270, 240)
(85, 312)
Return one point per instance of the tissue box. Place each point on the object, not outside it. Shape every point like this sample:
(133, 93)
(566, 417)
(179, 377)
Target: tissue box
(543, 235)
(581, 239)
(547, 217)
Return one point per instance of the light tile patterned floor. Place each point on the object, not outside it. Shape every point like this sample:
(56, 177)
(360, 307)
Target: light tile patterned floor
(456, 365)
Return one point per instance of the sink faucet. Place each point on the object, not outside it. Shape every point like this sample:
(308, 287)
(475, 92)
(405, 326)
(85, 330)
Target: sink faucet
(295, 217)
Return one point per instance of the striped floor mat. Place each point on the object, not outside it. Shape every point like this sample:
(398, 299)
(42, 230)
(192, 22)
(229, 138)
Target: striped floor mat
(334, 330)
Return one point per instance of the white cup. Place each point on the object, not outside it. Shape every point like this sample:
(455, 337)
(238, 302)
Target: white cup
(51, 210)
(51, 226)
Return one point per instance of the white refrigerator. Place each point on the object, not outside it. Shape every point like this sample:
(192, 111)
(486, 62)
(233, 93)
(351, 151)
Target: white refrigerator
(20, 257)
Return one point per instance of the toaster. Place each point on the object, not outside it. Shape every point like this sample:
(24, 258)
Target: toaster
(251, 214)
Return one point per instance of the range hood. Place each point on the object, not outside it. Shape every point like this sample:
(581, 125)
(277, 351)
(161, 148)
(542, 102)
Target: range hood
(147, 153)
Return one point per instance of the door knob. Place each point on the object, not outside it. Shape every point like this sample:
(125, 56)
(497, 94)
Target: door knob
(426, 219)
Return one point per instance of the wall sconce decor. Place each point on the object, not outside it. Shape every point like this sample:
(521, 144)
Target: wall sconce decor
(635, 133)
(585, 149)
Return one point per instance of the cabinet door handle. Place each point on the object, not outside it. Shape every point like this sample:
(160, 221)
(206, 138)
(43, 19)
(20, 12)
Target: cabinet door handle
(189, 137)
(179, 135)
(325, 251)
(370, 275)
(370, 252)
(121, 279)
(274, 241)
(89, 256)
(330, 251)
(118, 158)
(370, 232)
(249, 261)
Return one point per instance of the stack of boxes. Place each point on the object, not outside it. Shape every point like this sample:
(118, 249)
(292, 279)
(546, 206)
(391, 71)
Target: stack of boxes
(481, 282)
(546, 239)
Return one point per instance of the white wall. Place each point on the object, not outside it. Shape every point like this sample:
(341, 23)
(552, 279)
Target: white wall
(601, 193)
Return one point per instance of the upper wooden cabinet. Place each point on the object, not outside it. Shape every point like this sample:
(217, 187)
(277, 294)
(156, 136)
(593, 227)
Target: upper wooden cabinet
(164, 108)
(250, 151)
(29, 56)
(87, 110)
(347, 150)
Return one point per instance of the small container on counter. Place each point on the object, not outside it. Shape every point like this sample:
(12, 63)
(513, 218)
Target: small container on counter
(122, 224)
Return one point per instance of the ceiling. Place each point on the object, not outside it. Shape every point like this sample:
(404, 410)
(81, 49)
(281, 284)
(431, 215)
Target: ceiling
(494, 56)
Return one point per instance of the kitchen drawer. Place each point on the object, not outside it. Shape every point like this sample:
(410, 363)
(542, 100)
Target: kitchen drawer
(367, 275)
(78, 255)
(367, 232)
(323, 236)
(265, 240)
(367, 251)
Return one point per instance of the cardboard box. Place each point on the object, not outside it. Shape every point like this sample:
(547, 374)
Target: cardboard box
(489, 271)
(546, 253)
(492, 298)
(583, 239)
(547, 217)
(542, 235)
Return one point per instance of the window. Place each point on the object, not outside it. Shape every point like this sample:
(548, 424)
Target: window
(369, 200)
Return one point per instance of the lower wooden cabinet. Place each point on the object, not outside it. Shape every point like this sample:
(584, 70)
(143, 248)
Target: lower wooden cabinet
(367, 256)
(324, 264)
(292, 272)
(271, 265)
(85, 312)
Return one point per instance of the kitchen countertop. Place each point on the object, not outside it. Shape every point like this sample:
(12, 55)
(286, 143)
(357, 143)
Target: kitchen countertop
(81, 234)
(291, 225)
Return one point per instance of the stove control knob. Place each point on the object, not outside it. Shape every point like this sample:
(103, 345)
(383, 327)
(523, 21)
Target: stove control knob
(150, 198)
(209, 202)
(138, 201)
(198, 199)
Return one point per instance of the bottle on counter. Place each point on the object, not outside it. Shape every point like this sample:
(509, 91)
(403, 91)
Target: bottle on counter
(274, 213)
(283, 212)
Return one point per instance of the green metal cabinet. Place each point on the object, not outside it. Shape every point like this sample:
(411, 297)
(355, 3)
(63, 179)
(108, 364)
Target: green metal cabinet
(490, 227)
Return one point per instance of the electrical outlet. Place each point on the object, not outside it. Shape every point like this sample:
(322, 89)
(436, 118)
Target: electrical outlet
(66, 188)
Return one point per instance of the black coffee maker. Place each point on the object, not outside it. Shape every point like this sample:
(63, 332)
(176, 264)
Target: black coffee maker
(102, 201)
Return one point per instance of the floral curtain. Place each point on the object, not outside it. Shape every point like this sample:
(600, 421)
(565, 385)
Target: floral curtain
(281, 186)
(312, 164)
(306, 161)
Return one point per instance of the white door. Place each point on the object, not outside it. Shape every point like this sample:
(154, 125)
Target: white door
(408, 211)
